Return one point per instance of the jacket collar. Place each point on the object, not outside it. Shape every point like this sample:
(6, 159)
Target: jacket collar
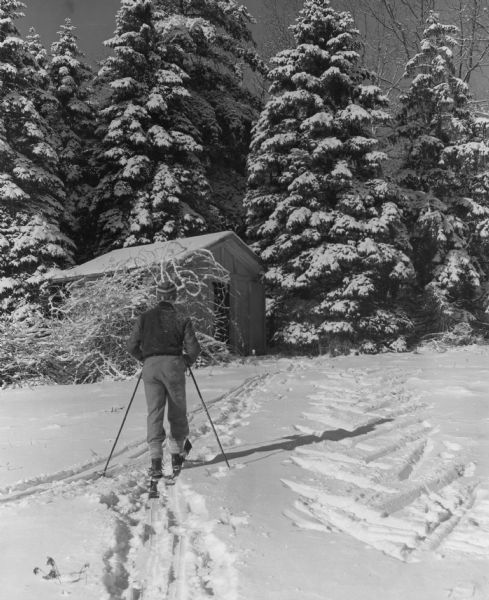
(166, 305)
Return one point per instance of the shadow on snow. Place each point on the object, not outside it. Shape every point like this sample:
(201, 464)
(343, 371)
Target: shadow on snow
(289, 443)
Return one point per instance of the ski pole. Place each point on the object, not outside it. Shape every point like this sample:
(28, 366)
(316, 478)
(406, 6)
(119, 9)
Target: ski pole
(209, 417)
(122, 425)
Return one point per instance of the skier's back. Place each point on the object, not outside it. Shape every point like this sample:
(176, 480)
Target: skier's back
(166, 342)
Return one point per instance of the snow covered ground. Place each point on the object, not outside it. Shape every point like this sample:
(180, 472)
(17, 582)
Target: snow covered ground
(351, 478)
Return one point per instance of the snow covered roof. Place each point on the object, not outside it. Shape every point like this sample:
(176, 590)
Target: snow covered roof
(135, 256)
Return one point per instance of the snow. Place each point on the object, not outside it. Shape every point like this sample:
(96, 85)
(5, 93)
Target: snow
(328, 145)
(341, 170)
(354, 113)
(319, 122)
(160, 137)
(351, 477)
(10, 191)
(136, 168)
(137, 256)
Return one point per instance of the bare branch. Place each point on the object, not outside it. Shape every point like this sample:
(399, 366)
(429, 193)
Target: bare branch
(83, 339)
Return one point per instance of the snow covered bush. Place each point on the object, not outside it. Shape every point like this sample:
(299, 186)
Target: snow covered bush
(444, 164)
(460, 334)
(325, 223)
(82, 338)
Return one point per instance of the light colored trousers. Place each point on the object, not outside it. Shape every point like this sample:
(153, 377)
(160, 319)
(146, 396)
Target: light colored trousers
(164, 382)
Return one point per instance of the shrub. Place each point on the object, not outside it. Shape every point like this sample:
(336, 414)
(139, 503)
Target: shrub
(82, 337)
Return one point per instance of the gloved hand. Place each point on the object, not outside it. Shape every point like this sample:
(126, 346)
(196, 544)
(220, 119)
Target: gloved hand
(187, 360)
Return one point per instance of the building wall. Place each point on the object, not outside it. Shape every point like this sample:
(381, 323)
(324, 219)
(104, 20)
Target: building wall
(247, 299)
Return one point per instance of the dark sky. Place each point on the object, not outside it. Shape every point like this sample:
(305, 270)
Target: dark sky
(94, 19)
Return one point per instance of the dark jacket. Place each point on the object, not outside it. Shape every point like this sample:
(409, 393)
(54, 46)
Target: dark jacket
(163, 331)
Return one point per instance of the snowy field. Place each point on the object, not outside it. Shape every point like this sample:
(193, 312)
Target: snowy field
(353, 478)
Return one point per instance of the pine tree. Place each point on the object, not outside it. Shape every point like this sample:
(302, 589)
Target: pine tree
(42, 93)
(31, 193)
(325, 223)
(37, 49)
(153, 186)
(444, 162)
(212, 42)
(70, 77)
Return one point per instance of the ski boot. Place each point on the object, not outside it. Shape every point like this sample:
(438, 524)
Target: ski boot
(176, 463)
(178, 459)
(156, 469)
(155, 474)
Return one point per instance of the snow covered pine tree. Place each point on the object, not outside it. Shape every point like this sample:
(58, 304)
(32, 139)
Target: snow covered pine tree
(75, 123)
(152, 180)
(211, 41)
(444, 162)
(326, 225)
(32, 195)
(38, 51)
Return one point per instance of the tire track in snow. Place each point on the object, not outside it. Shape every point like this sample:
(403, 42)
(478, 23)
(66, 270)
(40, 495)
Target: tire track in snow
(388, 487)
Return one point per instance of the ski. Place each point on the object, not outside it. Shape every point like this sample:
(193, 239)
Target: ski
(153, 491)
(170, 479)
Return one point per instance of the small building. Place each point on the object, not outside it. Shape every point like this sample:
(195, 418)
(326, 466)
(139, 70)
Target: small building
(239, 306)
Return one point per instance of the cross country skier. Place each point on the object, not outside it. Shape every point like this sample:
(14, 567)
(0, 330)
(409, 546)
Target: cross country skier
(165, 340)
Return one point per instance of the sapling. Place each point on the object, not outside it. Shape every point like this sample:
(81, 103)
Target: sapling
(54, 572)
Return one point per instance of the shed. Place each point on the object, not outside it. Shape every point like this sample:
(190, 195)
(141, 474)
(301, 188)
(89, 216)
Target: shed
(244, 300)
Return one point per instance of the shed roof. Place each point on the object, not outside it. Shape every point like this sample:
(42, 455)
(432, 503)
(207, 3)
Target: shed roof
(136, 256)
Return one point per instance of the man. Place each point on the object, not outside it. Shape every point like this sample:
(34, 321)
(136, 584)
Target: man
(158, 338)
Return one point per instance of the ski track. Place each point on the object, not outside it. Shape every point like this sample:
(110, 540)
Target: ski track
(383, 478)
(174, 553)
(166, 547)
(389, 482)
(234, 405)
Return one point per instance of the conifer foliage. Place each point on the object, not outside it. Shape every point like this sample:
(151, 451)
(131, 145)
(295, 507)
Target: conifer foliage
(325, 223)
(444, 163)
(212, 42)
(152, 182)
(37, 49)
(175, 129)
(70, 77)
(32, 195)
